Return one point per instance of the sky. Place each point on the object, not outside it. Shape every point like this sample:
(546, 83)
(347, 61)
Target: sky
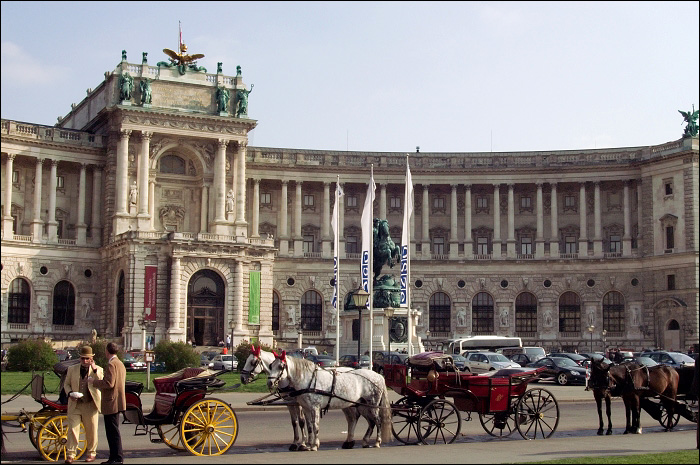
(386, 77)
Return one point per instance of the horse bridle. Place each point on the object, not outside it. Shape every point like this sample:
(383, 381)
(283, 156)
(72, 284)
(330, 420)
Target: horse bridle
(248, 372)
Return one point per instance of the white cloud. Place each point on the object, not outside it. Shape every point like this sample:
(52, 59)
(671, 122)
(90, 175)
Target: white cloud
(21, 69)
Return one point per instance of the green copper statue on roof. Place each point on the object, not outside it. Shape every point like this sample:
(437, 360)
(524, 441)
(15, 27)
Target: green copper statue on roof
(691, 118)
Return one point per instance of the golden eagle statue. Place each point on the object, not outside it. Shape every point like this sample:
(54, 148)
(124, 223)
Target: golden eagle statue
(182, 58)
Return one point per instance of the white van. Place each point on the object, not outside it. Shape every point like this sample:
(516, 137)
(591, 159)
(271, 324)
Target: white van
(533, 353)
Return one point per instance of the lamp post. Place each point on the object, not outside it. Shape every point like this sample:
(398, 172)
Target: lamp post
(427, 338)
(359, 299)
(389, 312)
(231, 325)
(590, 330)
(605, 345)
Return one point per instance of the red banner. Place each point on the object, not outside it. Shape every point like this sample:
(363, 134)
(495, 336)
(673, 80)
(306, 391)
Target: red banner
(149, 294)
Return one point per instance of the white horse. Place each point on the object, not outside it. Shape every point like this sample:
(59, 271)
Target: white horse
(356, 392)
(259, 361)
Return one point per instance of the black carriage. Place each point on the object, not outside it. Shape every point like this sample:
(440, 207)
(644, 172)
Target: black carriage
(686, 404)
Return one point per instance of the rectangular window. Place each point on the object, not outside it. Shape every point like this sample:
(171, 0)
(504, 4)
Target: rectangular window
(351, 244)
(15, 177)
(615, 244)
(265, 198)
(525, 202)
(308, 200)
(482, 245)
(570, 244)
(351, 201)
(526, 245)
(670, 242)
(59, 182)
(668, 188)
(308, 244)
(395, 202)
(671, 282)
(439, 203)
(482, 202)
(570, 201)
(59, 229)
(438, 245)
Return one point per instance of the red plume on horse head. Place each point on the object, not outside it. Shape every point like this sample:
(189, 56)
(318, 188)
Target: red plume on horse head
(255, 351)
(282, 356)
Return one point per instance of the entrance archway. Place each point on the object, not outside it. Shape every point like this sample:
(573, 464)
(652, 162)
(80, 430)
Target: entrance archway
(205, 308)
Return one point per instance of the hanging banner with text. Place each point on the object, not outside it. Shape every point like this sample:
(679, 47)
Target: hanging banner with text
(149, 293)
(254, 298)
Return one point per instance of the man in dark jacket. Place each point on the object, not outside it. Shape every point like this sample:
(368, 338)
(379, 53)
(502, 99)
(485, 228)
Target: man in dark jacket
(113, 387)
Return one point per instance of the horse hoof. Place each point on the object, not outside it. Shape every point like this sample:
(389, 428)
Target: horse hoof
(293, 447)
(314, 449)
(639, 431)
(348, 444)
(302, 448)
(608, 433)
(600, 432)
(626, 432)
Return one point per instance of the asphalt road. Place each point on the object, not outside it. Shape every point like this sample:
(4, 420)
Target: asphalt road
(264, 436)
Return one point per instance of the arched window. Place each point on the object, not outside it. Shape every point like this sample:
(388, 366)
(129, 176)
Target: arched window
(569, 313)
(526, 313)
(19, 299)
(275, 311)
(121, 293)
(63, 304)
(482, 314)
(311, 311)
(673, 326)
(439, 313)
(172, 164)
(613, 312)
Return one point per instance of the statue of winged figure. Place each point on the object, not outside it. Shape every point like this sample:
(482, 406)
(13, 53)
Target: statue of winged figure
(182, 58)
(691, 118)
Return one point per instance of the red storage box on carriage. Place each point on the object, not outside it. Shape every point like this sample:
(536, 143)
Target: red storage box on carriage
(493, 392)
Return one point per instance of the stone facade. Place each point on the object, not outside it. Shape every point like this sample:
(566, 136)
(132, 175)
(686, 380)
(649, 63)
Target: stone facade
(500, 241)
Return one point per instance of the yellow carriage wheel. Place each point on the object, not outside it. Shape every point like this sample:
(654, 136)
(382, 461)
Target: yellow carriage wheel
(35, 424)
(53, 437)
(170, 435)
(209, 427)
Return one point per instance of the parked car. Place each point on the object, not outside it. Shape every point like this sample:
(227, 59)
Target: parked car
(672, 359)
(133, 364)
(460, 362)
(205, 359)
(483, 362)
(533, 353)
(324, 361)
(563, 370)
(522, 359)
(223, 362)
(353, 361)
(62, 355)
(381, 358)
(647, 361)
(578, 358)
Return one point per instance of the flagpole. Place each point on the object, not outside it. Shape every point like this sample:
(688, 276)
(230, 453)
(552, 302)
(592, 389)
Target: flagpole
(408, 262)
(371, 268)
(337, 275)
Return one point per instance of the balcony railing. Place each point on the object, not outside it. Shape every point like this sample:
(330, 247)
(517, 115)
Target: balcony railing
(568, 255)
(526, 256)
(312, 254)
(486, 256)
(613, 254)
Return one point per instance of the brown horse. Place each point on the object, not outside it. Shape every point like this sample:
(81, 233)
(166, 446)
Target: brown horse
(599, 383)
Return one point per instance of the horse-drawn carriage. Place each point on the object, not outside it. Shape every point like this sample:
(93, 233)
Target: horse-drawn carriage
(182, 417)
(686, 404)
(437, 395)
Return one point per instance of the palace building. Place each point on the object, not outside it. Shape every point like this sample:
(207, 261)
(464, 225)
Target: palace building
(145, 213)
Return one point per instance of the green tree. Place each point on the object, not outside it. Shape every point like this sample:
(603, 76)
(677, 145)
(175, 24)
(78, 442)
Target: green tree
(176, 355)
(31, 354)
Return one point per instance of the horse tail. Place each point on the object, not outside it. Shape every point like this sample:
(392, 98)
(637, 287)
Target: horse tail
(385, 415)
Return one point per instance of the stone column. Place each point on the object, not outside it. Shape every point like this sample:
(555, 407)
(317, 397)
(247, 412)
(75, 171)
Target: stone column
(382, 201)
(152, 202)
(122, 173)
(256, 208)
(7, 226)
(175, 273)
(454, 239)
(96, 217)
(326, 222)
(298, 249)
(539, 238)
(496, 221)
(639, 215)
(143, 217)
(511, 222)
(37, 223)
(81, 227)
(554, 239)
(597, 233)
(583, 237)
(627, 235)
(241, 225)
(425, 219)
(468, 241)
(52, 223)
(220, 221)
(283, 230)
(341, 224)
(204, 210)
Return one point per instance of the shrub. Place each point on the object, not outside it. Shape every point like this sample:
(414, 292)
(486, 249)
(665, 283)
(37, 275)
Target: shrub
(242, 351)
(176, 355)
(31, 354)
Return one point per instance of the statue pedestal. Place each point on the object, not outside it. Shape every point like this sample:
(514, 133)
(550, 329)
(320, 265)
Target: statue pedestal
(223, 113)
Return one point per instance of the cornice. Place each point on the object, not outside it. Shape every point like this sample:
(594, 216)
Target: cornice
(45, 144)
(136, 117)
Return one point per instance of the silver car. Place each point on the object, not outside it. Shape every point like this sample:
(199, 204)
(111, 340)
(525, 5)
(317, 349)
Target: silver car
(223, 362)
(483, 362)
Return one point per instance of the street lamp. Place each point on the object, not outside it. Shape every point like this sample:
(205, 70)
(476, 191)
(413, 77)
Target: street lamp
(389, 312)
(427, 338)
(590, 330)
(605, 345)
(359, 299)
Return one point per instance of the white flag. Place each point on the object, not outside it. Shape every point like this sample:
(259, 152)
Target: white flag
(336, 241)
(367, 225)
(405, 236)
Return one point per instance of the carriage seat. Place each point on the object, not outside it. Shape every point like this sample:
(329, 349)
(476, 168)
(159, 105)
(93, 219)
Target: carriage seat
(165, 388)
